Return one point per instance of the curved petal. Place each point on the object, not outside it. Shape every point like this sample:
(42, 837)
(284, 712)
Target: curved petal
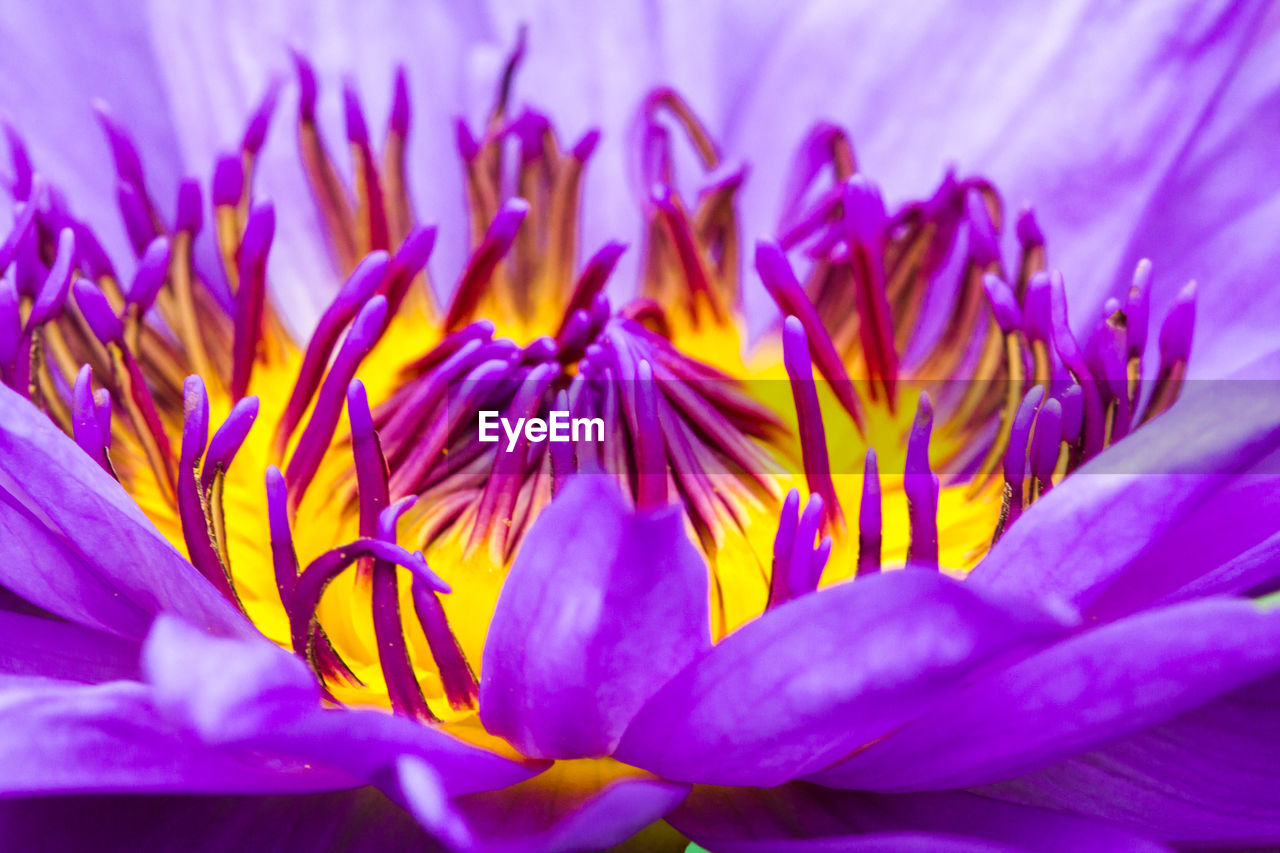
(722, 818)
(822, 675)
(51, 648)
(573, 806)
(73, 542)
(564, 673)
(1074, 696)
(1203, 779)
(363, 820)
(1189, 492)
(252, 696)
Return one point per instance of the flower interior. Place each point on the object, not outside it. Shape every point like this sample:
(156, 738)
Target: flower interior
(921, 393)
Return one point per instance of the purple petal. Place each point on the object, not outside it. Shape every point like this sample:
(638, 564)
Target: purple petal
(52, 648)
(58, 512)
(1185, 494)
(820, 676)
(724, 818)
(1203, 779)
(1108, 682)
(558, 810)
(364, 819)
(564, 673)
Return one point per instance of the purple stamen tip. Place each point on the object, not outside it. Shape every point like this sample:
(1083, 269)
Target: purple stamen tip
(399, 120)
(153, 269)
(1038, 310)
(1047, 441)
(259, 231)
(195, 420)
(1072, 402)
(1137, 309)
(367, 326)
(21, 164)
(1028, 229)
(1179, 326)
(53, 295)
(358, 412)
(1004, 304)
(586, 146)
(1015, 458)
(229, 437)
(795, 350)
(502, 231)
(864, 212)
(918, 439)
(390, 517)
(123, 152)
(92, 257)
(307, 88)
(869, 511)
(984, 243)
(190, 206)
(85, 427)
(468, 147)
(228, 181)
(97, 312)
(363, 282)
(357, 129)
(255, 134)
(102, 408)
(10, 322)
(416, 249)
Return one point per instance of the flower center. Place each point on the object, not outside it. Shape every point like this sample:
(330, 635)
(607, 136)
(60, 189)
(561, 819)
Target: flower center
(903, 332)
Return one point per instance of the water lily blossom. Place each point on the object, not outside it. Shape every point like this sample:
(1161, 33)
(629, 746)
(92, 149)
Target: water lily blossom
(333, 516)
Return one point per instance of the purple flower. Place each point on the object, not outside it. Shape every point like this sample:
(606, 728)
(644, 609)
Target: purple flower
(271, 587)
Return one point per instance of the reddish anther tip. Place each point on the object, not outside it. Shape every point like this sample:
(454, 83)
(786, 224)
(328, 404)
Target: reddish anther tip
(97, 312)
(228, 181)
(1179, 326)
(1004, 304)
(190, 216)
(586, 146)
(307, 88)
(353, 114)
(255, 133)
(1028, 229)
(153, 270)
(53, 293)
(398, 122)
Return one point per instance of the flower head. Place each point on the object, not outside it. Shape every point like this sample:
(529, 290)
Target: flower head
(647, 621)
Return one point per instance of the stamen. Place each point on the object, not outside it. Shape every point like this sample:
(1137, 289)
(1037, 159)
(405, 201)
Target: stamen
(363, 282)
(869, 519)
(697, 277)
(251, 295)
(484, 260)
(775, 271)
(797, 565)
(592, 280)
(921, 486)
(153, 268)
(399, 208)
(1031, 239)
(283, 557)
(1015, 461)
(1137, 313)
(864, 224)
(192, 509)
(409, 260)
(371, 216)
(651, 454)
(1069, 351)
(1046, 446)
(1175, 348)
(53, 294)
(86, 427)
(813, 439)
(326, 186)
(783, 540)
(456, 675)
(316, 436)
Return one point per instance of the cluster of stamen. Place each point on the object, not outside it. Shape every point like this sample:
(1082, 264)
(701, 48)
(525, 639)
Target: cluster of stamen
(523, 335)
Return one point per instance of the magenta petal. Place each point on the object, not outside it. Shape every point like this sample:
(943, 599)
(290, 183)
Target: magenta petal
(1204, 779)
(823, 675)
(1074, 696)
(553, 812)
(364, 819)
(602, 606)
(58, 512)
(51, 648)
(784, 819)
(1188, 492)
